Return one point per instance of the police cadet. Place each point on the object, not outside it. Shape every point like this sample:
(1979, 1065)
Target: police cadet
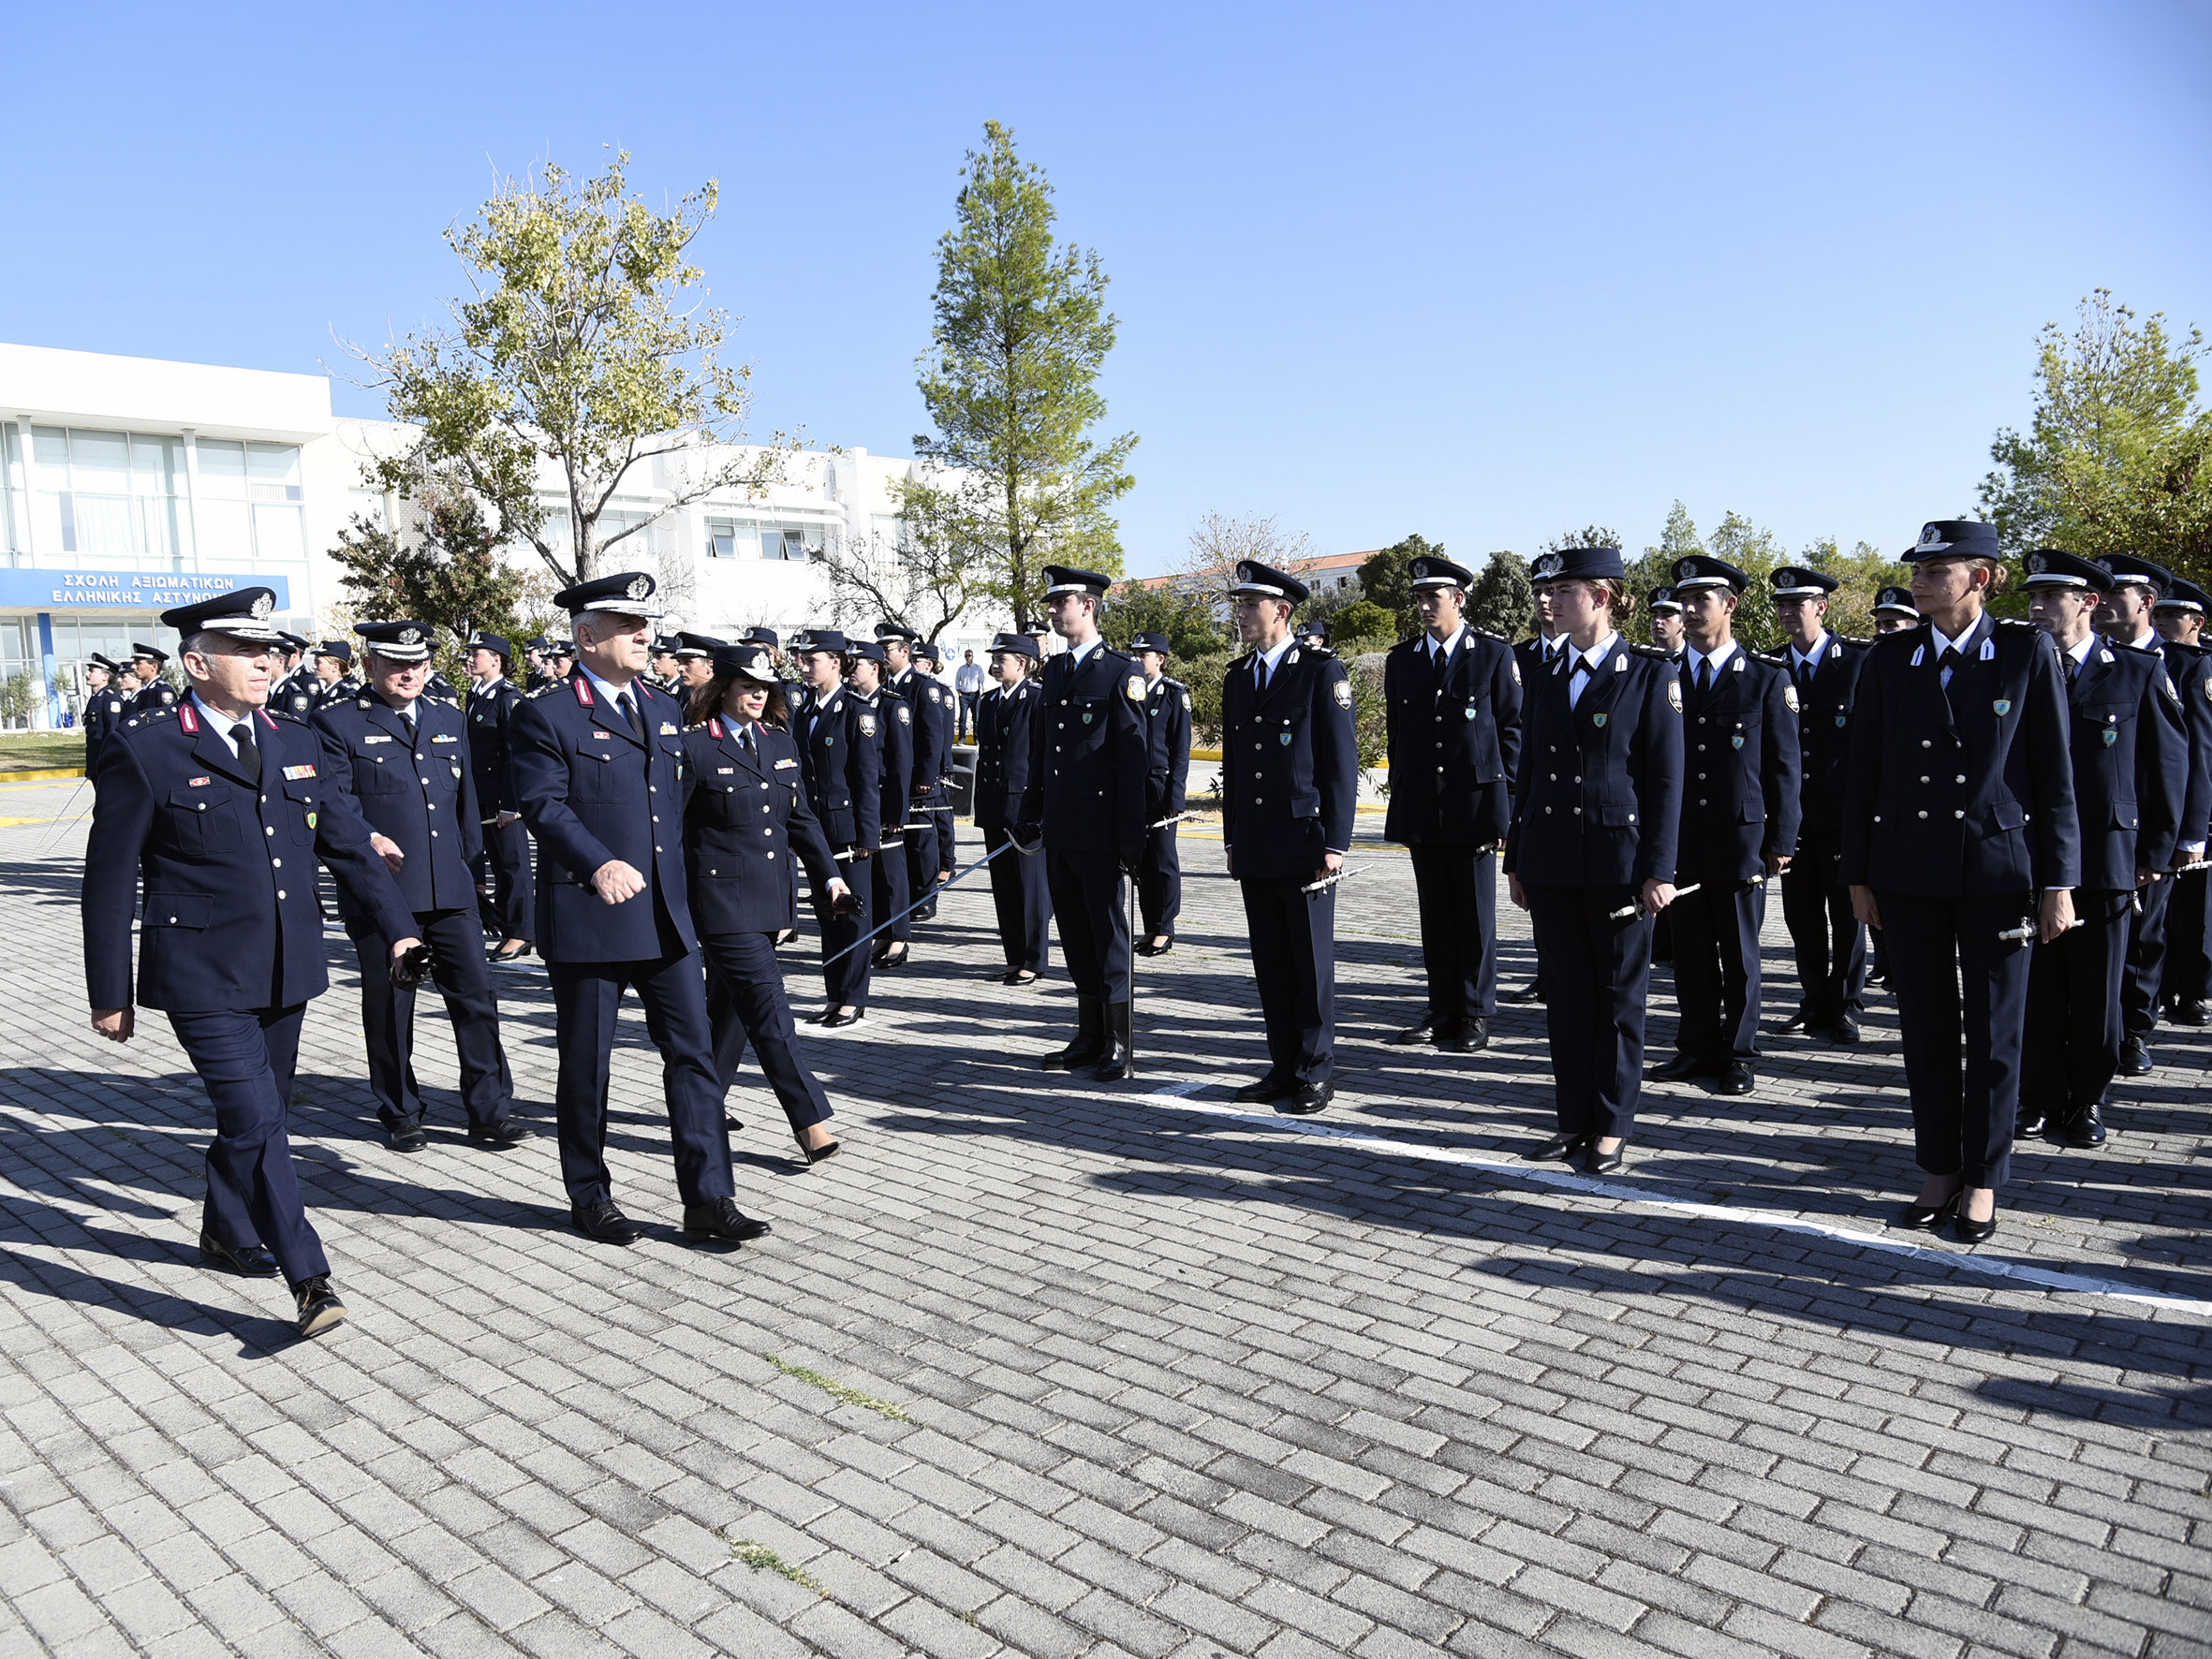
(1591, 853)
(1534, 657)
(1084, 814)
(1314, 636)
(507, 898)
(221, 812)
(1005, 752)
(1960, 839)
(295, 694)
(1829, 941)
(2126, 621)
(931, 663)
(1167, 777)
(1894, 612)
(2186, 986)
(1665, 611)
(598, 768)
(745, 822)
(918, 814)
(149, 692)
(402, 755)
(841, 760)
(2130, 768)
(695, 667)
(1451, 696)
(888, 722)
(1290, 788)
(534, 650)
(104, 707)
(664, 678)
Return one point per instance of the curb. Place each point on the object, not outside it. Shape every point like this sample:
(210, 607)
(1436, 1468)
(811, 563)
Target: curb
(35, 776)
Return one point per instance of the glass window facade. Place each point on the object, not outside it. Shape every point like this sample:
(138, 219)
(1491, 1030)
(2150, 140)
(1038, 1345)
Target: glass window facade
(250, 499)
(763, 539)
(118, 500)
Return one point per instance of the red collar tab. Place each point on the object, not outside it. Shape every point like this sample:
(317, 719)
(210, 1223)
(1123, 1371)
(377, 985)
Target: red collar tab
(715, 727)
(186, 718)
(584, 689)
(267, 719)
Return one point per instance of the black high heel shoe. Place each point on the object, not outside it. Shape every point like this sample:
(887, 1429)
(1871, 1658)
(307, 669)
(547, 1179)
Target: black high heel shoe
(1926, 1218)
(1606, 1163)
(814, 1155)
(1972, 1232)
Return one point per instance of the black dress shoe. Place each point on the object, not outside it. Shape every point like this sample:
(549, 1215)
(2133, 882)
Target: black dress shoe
(248, 1261)
(1531, 993)
(1413, 1036)
(2029, 1124)
(2081, 1128)
(835, 1020)
(1270, 1087)
(1453, 1038)
(1610, 1163)
(1681, 1069)
(720, 1218)
(1925, 1218)
(320, 1308)
(1800, 1020)
(2191, 1013)
(604, 1222)
(927, 913)
(408, 1138)
(2135, 1057)
(1972, 1232)
(1735, 1078)
(732, 1124)
(887, 961)
(498, 1137)
(1308, 1099)
(823, 1018)
(1018, 977)
(1474, 1033)
(1845, 1029)
(1560, 1148)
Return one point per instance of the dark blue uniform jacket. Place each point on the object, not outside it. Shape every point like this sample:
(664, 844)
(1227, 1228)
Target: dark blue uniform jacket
(2130, 764)
(420, 794)
(1091, 756)
(745, 818)
(1004, 753)
(1600, 797)
(1453, 745)
(1290, 765)
(898, 775)
(1167, 745)
(841, 754)
(1739, 771)
(1824, 730)
(490, 713)
(2189, 667)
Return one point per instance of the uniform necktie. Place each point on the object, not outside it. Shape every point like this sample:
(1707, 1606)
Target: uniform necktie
(1805, 677)
(249, 758)
(744, 739)
(1704, 675)
(1259, 674)
(629, 712)
(408, 721)
(1947, 664)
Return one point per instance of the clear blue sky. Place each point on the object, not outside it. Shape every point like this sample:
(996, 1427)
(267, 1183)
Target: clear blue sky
(1479, 272)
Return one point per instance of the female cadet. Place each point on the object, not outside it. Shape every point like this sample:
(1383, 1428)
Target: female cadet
(1591, 854)
(1003, 736)
(1958, 811)
(745, 822)
(894, 738)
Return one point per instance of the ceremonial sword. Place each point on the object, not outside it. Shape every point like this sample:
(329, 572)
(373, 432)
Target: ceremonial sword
(916, 905)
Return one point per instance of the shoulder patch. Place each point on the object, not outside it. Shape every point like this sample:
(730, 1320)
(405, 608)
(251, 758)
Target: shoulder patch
(1341, 691)
(2208, 693)
(867, 725)
(1675, 695)
(1136, 689)
(906, 714)
(1789, 695)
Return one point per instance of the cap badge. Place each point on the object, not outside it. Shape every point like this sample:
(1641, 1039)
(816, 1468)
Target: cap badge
(410, 635)
(2037, 563)
(1684, 569)
(263, 606)
(1546, 568)
(1931, 540)
(639, 586)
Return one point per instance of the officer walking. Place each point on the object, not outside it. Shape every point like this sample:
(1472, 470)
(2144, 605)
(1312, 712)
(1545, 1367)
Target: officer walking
(1451, 696)
(2186, 986)
(203, 805)
(891, 726)
(403, 757)
(151, 692)
(1591, 853)
(1084, 814)
(1005, 752)
(1167, 777)
(1959, 823)
(598, 768)
(694, 656)
(508, 901)
(104, 707)
(841, 758)
(1290, 788)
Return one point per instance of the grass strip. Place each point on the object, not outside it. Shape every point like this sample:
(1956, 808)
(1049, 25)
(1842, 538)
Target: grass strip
(850, 1396)
(757, 1555)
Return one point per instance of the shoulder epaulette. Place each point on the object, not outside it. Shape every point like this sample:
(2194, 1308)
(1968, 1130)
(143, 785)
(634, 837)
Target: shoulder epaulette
(1772, 662)
(1485, 634)
(1663, 654)
(1176, 684)
(2013, 622)
(539, 693)
(361, 702)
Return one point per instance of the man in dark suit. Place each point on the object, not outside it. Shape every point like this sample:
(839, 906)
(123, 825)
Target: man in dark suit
(506, 903)
(598, 768)
(1290, 788)
(403, 757)
(1005, 749)
(219, 813)
(1452, 698)
(1167, 735)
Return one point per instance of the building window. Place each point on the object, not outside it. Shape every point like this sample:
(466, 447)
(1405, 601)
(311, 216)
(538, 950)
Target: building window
(250, 502)
(109, 495)
(748, 538)
(15, 496)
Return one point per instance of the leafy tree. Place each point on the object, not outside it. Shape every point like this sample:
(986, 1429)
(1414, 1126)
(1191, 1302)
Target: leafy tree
(1655, 568)
(1010, 383)
(925, 581)
(1387, 578)
(2118, 457)
(572, 352)
(1189, 620)
(1362, 622)
(1503, 600)
(441, 567)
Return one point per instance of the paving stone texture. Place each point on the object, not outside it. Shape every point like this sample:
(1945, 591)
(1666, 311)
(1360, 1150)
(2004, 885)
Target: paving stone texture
(1116, 1370)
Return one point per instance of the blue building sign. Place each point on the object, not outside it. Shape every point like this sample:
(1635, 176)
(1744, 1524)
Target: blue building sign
(125, 589)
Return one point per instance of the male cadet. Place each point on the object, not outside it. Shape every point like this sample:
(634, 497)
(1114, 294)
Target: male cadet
(2125, 620)
(294, 693)
(1289, 785)
(1666, 632)
(1451, 698)
(663, 677)
(507, 899)
(1738, 826)
(1535, 656)
(931, 662)
(1314, 636)
(695, 667)
(1083, 813)
(220, 812)
(403, 757)
(1005, 751)
(2186, 989)
(1167, 777)
(1829, 940)
(924, 698)
(2131, 769)
(535, 650)
(841, 761)
(149, 692)
(967, 684)
(598, 769)
(104, 707)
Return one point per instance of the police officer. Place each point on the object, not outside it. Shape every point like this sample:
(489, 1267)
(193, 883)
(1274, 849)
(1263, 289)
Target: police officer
(1451, 698)
(918, 813)
(535, 650)
(402, 755)
(1005, 752)
(219, 813)
(695, 667)
(1739, 826)
(1666, 630)
(104, 707)
(2186, 986)
(1314, 636)
(890, 727)
(663, 677)
(1959, 822)
(930, 663)
(506, 903)
(1591, 853)
(745, 822)
(1894, 612)
(334, 674)
(1084, 814)
(841, 758)
(2130, 768)
(598, 768)
(1829, 941)
(1166, 728)
(560, 659)
(151, 691)
(294, 695)
(1534, 657)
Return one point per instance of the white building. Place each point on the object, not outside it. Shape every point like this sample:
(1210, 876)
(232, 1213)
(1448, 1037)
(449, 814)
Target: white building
(129, 485)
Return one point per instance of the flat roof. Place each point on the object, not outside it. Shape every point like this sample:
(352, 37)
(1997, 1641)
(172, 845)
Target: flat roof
(51, 387)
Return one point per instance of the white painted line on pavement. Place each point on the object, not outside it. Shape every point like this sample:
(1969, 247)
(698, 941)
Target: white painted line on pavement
(1627, 1192)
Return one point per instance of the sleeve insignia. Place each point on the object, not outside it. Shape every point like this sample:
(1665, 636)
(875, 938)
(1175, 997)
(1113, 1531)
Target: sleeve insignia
(905, 716)
(2208, 693)
(1341, 691)
(1515, 663)
(1790, 696)
(1675, 695)
(1136, 689)
(2166, 683)
(867, 726)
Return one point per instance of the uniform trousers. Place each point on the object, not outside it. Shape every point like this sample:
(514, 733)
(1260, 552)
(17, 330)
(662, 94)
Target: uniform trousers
(1945, 960)
(1595, 972)
(1455, 884)
(1024, 901)
(2072, 1043)
(845, 970)
(1295, 962)
(1829, 940)
(2146, 961)
(1087, 897)
(388, 1019)
(2189, 953)
(745, 1003)
(245, 1060)
(1159, 881)
(920, 861)
(947, 838)
(586, 998)
(508, 910)
(1716, 979)
(890, 891)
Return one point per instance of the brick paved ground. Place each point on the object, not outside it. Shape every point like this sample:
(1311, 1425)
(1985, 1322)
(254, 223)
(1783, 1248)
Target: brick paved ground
(1155, 1377)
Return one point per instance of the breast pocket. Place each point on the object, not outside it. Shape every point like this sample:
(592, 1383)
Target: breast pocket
(302, 812)
(590, 771)
(204, 823)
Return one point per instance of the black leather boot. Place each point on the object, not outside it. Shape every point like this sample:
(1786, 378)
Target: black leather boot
(1090, 1036)
(1113, 1064)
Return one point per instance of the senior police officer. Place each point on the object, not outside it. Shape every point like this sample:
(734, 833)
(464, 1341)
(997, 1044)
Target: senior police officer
(507, 898)
(1005, 751)
(1829, 941)
(598, 769)
(2185, 988)
(1290, 788)
(1452, 698)
(841, 758)
(220, 812)
(149, 691)
(2131, 769)
(104, 707)
(403, 757)
(1167, 779)
(1960, 838)
(1084, 814)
